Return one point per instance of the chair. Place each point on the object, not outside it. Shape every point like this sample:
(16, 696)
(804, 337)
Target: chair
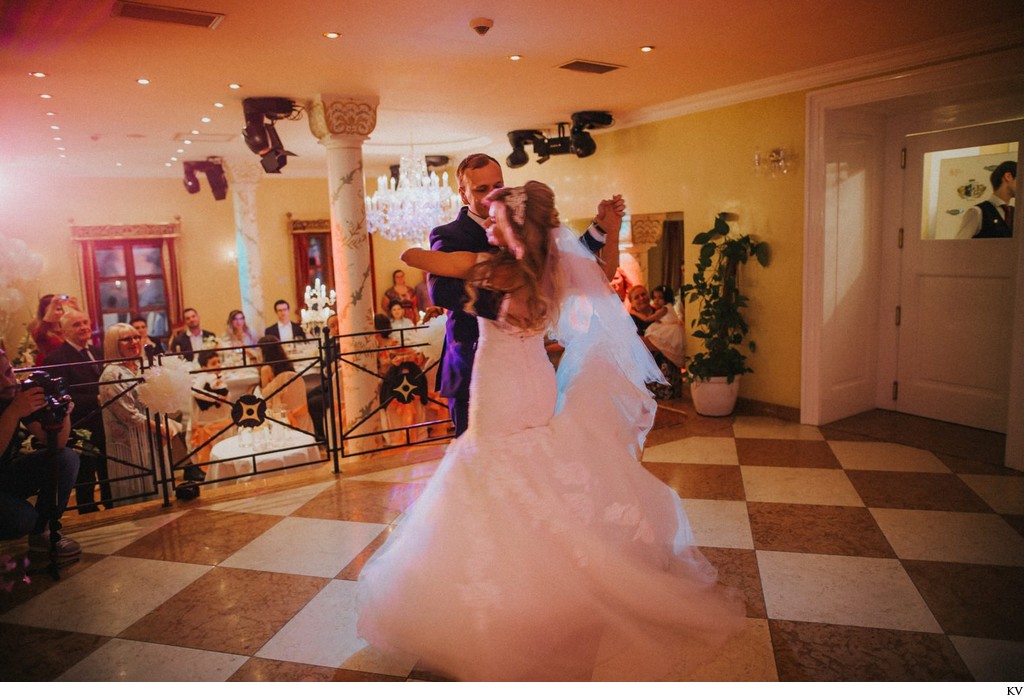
(287, 392)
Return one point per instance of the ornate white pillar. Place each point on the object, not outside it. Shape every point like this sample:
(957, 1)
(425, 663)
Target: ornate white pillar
(244, 177)
(342, 124)
(645, 233)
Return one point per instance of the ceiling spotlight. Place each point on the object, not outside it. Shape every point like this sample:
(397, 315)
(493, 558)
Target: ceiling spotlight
(45, 96)
(577, 141)
(647, 49)
(234, 86)
(143, 81)
(205, 120)
(515, 57)
(213, 167)
(218, 105)
(259, 133)
(332, 35)
(38, 74)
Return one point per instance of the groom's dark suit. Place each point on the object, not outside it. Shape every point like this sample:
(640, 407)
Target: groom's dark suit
(461, 330)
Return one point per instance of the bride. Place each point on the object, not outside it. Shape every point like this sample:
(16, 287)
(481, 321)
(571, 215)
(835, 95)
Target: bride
(541, 549)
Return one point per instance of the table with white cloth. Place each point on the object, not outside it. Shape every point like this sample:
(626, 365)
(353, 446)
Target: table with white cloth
(239, 451)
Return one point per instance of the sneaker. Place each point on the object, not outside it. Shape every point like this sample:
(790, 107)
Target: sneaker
(66, 547)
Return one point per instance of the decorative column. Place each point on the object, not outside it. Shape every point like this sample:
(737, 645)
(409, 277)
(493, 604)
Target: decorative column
(244, 177)
(342, 124)
(644, 234)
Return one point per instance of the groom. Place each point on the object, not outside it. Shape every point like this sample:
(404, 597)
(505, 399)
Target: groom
(478, 176)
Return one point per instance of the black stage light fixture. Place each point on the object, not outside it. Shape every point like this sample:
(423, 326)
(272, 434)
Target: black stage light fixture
(577, 141)
(259, 132)
(214, 169)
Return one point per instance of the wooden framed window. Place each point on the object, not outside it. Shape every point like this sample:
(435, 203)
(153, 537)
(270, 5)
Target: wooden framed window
(130, 271)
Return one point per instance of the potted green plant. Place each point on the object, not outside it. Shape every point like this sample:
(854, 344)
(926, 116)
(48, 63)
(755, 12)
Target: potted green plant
(719, 325)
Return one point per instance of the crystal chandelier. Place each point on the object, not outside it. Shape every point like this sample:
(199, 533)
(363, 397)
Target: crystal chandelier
(411, 209)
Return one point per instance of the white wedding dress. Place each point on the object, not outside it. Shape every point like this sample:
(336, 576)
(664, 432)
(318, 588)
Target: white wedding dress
(542, 549)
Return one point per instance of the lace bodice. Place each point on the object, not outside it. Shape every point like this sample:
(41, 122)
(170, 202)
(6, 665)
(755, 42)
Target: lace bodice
(513, 385)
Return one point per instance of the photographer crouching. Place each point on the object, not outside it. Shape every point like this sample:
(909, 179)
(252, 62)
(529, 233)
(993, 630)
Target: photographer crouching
(25, 476)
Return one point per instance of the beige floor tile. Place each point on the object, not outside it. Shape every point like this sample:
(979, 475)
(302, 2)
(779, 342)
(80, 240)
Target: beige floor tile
(695, 450)
(1004, 493)
(747, 658)
(763, 427)
(110, 538)
(126, 660)
(82, 603)
(306, 546)
(885, 456)
(994, 660)
(277, 503)
(969, 538)
(842, 590)
(719, 523)
(401, 475)
(324, 634)
(825, 487)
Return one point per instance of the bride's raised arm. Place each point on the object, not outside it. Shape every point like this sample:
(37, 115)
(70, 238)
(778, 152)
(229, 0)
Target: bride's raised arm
(455, 264)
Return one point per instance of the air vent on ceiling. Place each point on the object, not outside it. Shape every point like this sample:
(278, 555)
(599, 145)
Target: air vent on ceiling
(173, 15)
(581, 66)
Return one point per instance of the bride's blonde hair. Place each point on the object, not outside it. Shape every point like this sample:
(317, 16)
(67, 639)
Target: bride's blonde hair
(529, 213)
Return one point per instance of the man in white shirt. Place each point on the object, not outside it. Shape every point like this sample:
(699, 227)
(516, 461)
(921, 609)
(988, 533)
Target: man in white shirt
(285, 329)
(194, 338)
(993, 218)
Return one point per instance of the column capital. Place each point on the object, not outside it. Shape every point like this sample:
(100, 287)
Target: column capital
(244, 173)
(645, 231)
(337, 115)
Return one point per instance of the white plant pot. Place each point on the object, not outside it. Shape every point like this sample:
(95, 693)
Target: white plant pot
(715, 396)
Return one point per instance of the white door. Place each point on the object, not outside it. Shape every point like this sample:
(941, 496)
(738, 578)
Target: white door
(956, 296)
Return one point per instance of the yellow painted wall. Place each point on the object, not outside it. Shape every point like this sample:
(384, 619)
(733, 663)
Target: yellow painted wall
(699, 164)
(702, 164)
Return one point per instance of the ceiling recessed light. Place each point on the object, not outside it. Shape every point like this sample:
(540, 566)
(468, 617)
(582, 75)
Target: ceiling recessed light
(218, 104)
(143, 81)
(181, 150)
(205, 120)
(195, 132)
(167, 165)
(647, 49)
(332, 35)
(61, 148)
(51, 114)
(45, 96)
(174, 159)
(187, 142)
(234, 86)
(514, 57)
(63, 155)
(117, 164)
(57, 138)
(55, 127)
(38, 74)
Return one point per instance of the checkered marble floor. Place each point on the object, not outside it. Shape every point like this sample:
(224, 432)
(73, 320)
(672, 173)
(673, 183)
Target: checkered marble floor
(880, 548)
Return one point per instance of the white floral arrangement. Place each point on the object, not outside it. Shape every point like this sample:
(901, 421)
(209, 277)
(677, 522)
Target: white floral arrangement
(167, 386)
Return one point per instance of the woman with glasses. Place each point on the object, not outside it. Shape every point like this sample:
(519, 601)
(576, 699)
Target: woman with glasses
(129, 463)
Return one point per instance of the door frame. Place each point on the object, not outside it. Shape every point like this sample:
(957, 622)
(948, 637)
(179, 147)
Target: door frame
(968, 82)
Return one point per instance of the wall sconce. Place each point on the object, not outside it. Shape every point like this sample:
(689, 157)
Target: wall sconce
(776, 162)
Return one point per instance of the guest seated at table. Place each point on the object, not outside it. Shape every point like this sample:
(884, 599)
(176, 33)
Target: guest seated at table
(237, 334)
(194, 338)
(281, 386)
(125, 423)
(285, 328)
(150, 346)
(210, 415)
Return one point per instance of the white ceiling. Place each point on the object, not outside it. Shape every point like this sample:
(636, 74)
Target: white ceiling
(443, 89)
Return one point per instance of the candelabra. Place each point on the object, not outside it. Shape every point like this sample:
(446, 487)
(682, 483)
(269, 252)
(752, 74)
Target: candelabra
(318, 308)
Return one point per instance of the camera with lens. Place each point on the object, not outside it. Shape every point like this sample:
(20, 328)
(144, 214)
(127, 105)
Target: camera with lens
(52, 413)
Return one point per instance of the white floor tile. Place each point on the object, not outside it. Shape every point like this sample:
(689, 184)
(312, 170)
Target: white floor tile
(775, 428)
(694, 450)
(306, 546)
(126, 660)
(969, 538)
(838, 590)
(719, 523)
(1004, 493)
(324, 634)
(107, 597)
(885, 456)
(277, 503)
(110, 538)
(823, 487)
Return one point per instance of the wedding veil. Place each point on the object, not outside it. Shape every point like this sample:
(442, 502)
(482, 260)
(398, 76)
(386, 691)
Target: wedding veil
(605, 364)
